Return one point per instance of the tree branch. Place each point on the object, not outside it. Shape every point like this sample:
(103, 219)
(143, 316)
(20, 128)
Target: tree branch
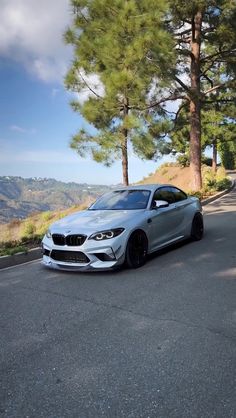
(208, 79)
(185, 87)
(220, 101)
(208, 68)
(88, 86)
(171, 98)
(219, 86)
(217, 54)
(186, 31)
(178, 112)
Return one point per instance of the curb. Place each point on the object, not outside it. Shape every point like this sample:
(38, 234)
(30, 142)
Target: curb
(36, 253)
(20, 258)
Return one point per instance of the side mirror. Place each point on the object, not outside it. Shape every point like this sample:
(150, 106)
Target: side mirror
(159, 204)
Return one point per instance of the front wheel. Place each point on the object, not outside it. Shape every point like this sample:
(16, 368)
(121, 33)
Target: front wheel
(197, 230)
(136, 251)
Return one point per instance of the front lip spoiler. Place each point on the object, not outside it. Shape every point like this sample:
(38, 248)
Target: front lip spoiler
(85, 269)
(99, 265)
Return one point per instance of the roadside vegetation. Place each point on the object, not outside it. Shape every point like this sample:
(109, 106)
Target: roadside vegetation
(21, 235)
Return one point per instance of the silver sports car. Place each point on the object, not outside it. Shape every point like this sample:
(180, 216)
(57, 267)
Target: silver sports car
(123, 226)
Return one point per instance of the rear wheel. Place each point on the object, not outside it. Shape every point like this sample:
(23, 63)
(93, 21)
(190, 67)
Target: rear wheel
(197, 230)
(136, 251)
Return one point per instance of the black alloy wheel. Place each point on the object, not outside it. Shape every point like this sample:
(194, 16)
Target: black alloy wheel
(197, 230)
(136, 251)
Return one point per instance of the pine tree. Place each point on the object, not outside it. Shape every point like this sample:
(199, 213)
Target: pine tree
(125, 47)
(206, 42)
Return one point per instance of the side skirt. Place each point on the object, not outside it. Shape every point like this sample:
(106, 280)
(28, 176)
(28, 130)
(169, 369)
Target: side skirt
(167, 243)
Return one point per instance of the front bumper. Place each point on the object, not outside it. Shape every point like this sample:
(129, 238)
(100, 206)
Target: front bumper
(84, 257)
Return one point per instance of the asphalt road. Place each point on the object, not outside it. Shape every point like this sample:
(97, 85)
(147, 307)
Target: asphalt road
(156, 342)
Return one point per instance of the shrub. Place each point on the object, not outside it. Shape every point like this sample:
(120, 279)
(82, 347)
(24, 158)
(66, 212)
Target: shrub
(46, 216)
(223, 184)
(209, 178)
(28, 229)
(221, 174)
(183, 160)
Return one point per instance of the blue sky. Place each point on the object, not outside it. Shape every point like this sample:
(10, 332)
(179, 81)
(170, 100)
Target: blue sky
(36, 121)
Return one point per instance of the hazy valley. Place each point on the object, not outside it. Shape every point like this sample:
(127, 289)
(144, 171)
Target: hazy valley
(20, 197)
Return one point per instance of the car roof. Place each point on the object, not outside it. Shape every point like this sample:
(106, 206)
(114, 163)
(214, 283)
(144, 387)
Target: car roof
(150, 187)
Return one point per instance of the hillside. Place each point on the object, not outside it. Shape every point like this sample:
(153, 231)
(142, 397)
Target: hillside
(171, 174)
(21, 197)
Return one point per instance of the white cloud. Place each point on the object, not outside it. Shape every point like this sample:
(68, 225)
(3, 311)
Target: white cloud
(21, 130)
(31, 33)
(93, 87)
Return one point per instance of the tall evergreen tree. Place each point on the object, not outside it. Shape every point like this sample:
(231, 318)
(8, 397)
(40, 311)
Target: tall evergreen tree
(126, 45)
(205, 33)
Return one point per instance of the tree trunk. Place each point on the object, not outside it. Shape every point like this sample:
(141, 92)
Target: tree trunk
(214, 156)
(195, 105)
(125, 158)
(124, 147)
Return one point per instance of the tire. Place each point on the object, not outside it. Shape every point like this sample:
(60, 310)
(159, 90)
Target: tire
(136, 251)
(197, 230)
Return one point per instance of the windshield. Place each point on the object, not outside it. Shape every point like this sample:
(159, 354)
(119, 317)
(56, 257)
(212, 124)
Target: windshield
(122, 200)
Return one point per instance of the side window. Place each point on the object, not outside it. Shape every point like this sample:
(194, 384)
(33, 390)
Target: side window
(164, 193)
(178, 194)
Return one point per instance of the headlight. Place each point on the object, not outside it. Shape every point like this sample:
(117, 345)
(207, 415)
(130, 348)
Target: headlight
(48, 234)
(111, 233)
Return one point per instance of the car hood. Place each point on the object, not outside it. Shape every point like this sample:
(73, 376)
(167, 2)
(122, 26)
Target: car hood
(92, 221)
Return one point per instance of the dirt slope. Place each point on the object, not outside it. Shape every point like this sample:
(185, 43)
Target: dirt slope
(178, 176)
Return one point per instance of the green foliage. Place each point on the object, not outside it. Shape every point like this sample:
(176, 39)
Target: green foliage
(126, 45)
(28, 229)
(216, 126)
(223, 184)
(220, 174)
(209, 178)
(215, 181)
(183, 160)
(228, 154)
(47, 216)
(12, 249)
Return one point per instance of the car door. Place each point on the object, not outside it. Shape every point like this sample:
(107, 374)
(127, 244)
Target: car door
(182, 203)
(163, 221)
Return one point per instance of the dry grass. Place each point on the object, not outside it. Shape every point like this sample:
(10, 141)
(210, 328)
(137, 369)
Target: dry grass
(36, 224)
(175, 175)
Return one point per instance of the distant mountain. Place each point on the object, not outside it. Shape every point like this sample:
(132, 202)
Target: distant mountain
(19, 197)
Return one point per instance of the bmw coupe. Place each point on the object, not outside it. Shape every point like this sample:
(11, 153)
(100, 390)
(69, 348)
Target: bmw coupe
(123, 226)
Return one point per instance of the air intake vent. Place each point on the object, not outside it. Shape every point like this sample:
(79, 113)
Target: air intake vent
(69, 256)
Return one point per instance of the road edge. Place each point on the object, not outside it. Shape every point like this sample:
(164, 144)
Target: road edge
(20, 258)
(35, 253)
